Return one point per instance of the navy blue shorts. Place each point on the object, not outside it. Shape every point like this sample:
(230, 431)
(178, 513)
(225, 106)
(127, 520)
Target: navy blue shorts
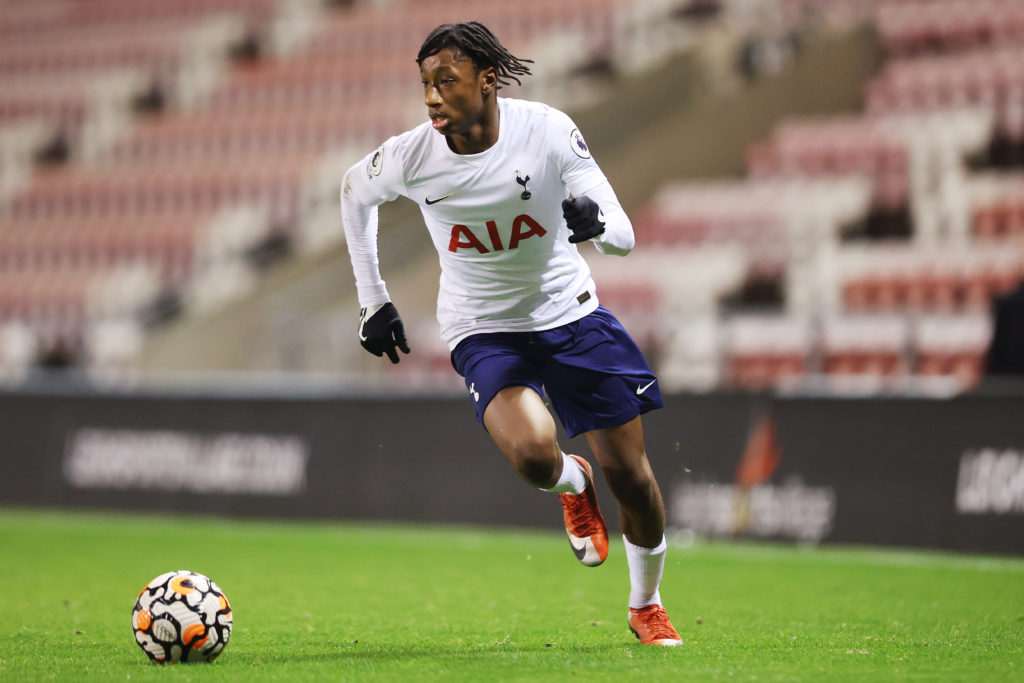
(591, 370)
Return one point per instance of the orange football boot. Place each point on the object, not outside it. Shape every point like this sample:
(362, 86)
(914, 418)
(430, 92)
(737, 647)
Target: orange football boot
(651, 625)
(588, 534)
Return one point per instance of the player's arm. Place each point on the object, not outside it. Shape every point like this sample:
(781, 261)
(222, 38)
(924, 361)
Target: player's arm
(598, 216)
(380, 327)
(592, 211)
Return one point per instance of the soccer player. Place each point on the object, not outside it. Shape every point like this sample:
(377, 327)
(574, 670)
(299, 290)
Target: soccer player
(508, 189)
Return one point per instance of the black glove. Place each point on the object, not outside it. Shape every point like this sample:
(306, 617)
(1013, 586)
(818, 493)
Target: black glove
(583, 217)
(381, 330)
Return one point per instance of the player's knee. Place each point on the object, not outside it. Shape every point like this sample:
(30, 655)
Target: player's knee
(535, 458)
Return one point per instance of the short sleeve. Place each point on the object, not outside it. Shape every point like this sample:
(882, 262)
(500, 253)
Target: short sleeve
(572, 155)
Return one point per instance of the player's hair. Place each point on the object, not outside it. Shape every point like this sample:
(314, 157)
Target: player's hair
(475, 41)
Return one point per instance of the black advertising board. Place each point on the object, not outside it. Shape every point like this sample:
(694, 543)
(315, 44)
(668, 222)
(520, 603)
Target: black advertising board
(907, 472)
(881, 471)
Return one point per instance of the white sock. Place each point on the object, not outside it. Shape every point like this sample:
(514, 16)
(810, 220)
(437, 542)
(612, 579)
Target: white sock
(645, 568)
(572, 480)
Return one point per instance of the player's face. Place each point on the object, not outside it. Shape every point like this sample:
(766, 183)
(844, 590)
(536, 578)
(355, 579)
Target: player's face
(454, 92)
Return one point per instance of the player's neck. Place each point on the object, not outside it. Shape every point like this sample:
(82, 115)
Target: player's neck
(480, 137)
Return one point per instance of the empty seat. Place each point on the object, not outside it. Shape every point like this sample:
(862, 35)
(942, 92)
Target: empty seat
(949, 345)
(762, 350)
(920, 26)
(875, 345)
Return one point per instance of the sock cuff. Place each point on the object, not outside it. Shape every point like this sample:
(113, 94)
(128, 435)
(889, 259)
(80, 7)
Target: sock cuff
(640, 604)
(640, 550)
(572, 479)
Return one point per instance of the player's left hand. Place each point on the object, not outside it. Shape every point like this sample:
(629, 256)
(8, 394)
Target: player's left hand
(583, 216)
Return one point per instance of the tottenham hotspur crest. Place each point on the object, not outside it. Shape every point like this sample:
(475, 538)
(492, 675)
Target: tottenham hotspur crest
(526, 191)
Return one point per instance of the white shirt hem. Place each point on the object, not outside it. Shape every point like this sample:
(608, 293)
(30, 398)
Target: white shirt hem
(488, 327)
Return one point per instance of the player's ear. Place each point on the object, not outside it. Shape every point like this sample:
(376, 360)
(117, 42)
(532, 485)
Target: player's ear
(488, 80)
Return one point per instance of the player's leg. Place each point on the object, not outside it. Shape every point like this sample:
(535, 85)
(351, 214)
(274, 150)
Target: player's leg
(504, 383)
(504, 386)
(600, 383)
(620, 452)
(524, 431)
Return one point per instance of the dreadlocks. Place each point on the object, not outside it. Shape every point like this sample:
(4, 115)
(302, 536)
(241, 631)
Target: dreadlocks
(475, 41)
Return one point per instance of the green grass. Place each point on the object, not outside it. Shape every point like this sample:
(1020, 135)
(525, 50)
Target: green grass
(324, 601)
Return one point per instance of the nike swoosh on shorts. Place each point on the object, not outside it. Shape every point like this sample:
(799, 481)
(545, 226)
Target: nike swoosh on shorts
(642, 389)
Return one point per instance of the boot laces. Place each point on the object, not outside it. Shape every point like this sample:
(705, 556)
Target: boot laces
(658, 624)
(581, 514)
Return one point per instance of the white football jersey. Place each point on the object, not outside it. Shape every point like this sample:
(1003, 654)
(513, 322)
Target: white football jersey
(495, 219)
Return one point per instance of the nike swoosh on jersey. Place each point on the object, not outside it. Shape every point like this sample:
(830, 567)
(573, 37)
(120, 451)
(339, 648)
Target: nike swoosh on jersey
(430, 201)
(642, 389)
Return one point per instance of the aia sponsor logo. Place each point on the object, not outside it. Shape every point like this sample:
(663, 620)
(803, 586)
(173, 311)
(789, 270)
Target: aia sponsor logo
(523, 227)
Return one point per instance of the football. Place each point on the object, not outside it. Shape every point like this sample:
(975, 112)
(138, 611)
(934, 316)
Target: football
(182, 616)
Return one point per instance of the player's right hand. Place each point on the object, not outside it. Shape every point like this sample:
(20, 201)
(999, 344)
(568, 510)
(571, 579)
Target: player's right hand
(381, 331)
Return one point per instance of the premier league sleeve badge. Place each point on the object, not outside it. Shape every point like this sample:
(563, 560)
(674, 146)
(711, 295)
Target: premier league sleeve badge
(376, 163)
(578, 144)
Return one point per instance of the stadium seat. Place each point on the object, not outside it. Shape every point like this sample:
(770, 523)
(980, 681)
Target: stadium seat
(762, 350)
(919, 26)
(906, 278)
(874, 345)
(948, 345)
(18, 349)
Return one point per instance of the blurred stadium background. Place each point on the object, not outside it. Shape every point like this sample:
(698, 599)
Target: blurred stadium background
(828, 197)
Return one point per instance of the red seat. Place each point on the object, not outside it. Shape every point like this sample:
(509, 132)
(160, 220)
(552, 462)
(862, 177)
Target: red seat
(952, 346)
(874, 345)
(761, 351)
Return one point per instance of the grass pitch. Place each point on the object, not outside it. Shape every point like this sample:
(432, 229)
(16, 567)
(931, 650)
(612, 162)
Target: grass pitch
(323, 601)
